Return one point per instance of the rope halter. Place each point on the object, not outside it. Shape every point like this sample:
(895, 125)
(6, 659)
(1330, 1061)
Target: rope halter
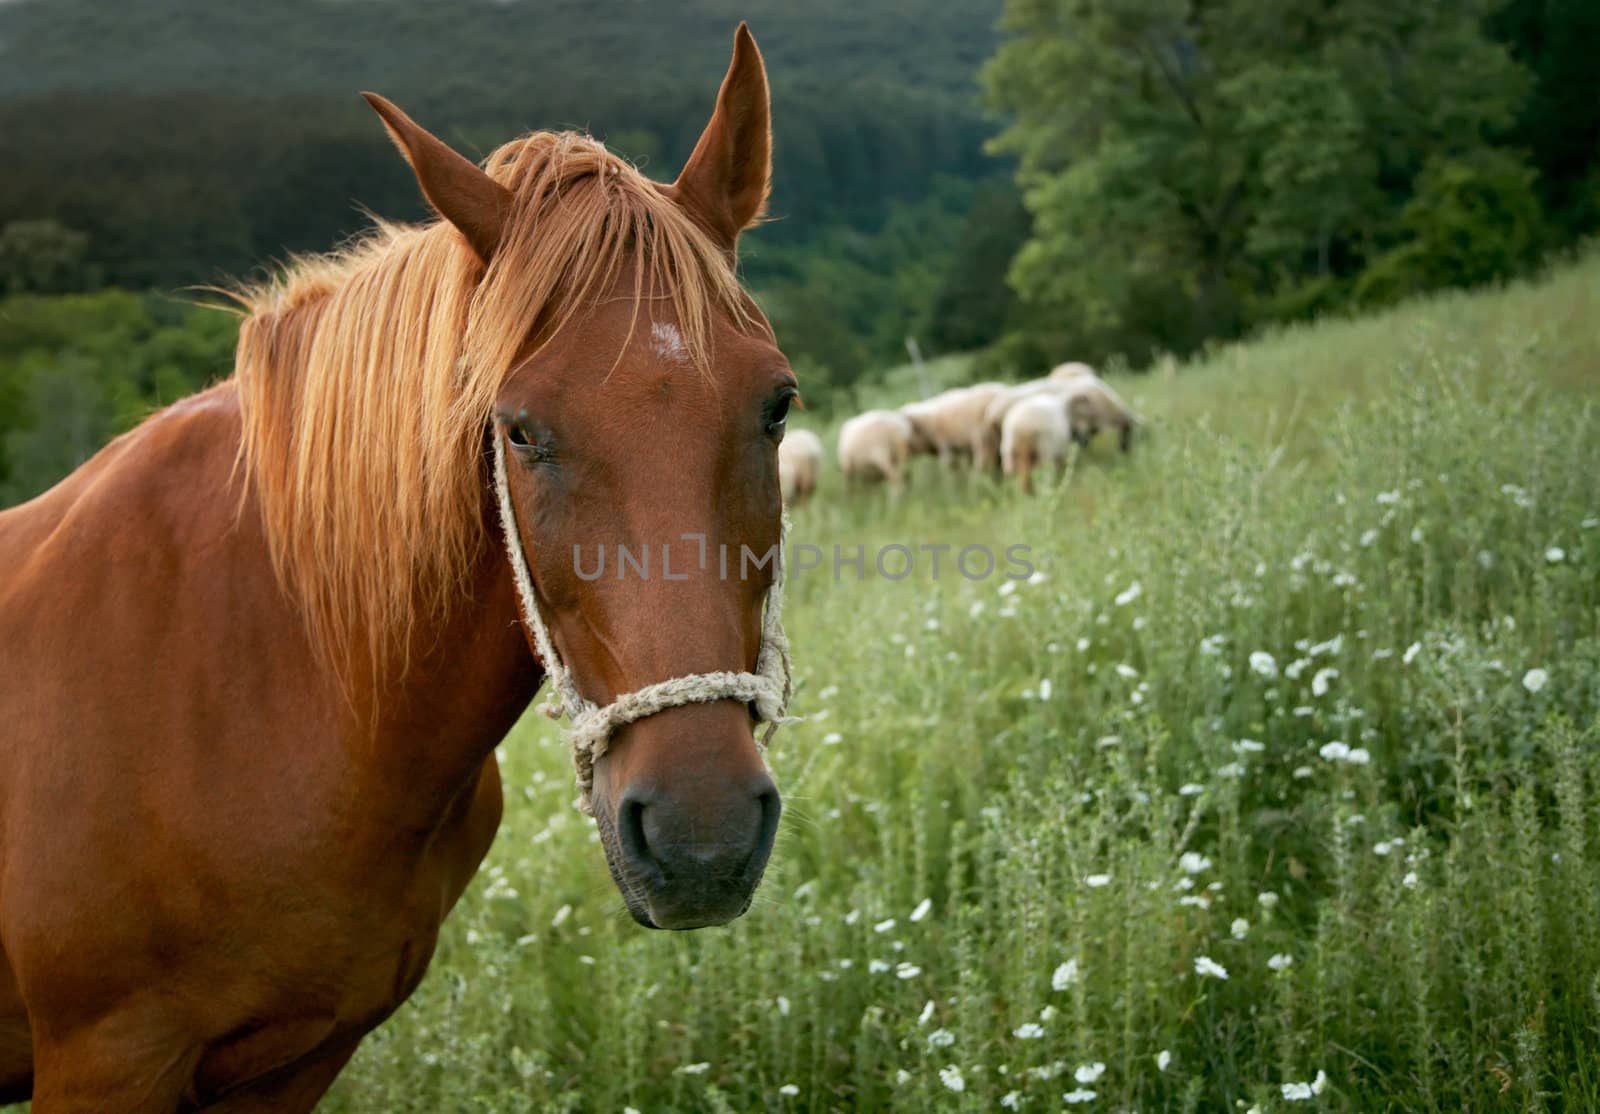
(767, 690)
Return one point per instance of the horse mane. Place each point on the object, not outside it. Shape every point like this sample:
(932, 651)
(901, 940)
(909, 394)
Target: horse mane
(366, 379)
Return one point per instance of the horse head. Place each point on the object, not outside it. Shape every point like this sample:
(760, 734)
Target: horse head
(641, 402)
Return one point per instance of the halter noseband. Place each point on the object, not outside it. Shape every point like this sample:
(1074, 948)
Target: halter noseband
(767, 690)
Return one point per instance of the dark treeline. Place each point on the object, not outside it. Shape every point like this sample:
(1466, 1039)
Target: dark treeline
(186, 139)
(1158, 175)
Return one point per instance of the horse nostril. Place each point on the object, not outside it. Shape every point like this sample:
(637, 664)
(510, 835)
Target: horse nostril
(771, 809)
(630, 834)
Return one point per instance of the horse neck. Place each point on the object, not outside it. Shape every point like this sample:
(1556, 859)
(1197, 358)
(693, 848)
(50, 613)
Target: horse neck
(464, 688)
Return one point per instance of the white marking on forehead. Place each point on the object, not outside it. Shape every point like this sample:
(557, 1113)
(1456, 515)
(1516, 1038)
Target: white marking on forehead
(669, 342)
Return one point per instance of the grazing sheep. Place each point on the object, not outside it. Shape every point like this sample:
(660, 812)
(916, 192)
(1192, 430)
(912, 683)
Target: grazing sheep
(1070, 370)
(799, 465)
(1092, 406)
(994, 414)
(1034, 432)
(949, 425)
(874, 446)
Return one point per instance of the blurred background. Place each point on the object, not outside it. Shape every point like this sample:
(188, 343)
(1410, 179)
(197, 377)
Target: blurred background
(1033, 181)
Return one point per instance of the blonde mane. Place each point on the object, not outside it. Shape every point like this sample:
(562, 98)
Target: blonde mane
(366, 379)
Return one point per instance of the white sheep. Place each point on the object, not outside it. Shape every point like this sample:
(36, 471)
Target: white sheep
(874, 446)
(799, 465)
(1034, 432)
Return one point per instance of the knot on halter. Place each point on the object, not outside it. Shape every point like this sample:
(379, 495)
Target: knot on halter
(767, 690)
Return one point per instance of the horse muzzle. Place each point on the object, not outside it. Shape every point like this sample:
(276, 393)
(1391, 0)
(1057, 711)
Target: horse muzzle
(691, 860)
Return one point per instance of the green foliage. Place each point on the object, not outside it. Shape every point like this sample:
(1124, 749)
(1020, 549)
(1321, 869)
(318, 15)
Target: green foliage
(43, 257)
(846, 302)
(1471, 220)
(76, 370)
(1193, 170)
(982, 880)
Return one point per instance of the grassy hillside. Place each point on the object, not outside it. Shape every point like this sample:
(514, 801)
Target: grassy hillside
(1276, 789)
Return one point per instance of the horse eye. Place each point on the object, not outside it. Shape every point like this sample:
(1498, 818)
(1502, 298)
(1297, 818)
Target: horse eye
(518, 436)
(779, 413)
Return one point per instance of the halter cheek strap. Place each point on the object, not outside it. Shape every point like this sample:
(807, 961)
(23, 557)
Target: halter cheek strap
(767, 690)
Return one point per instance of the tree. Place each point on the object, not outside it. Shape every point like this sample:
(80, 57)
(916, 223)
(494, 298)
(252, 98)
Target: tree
(1214, 152)
(43, 257)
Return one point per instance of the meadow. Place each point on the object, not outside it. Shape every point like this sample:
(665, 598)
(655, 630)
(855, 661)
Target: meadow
(1276, 788)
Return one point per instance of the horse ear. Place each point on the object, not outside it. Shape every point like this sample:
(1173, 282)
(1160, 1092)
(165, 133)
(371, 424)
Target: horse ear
(457, 189)
(726, 180)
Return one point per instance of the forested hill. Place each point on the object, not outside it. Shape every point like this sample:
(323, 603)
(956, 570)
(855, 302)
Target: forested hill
(564, 52)
(187, 138)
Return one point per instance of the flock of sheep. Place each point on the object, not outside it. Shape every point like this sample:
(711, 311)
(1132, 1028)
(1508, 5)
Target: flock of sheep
(995, 427)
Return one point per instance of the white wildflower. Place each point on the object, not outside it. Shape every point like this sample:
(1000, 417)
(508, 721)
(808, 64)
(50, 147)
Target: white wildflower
(1410, 880)
(1011, 1100)
(1335, 751)
(1263, 663)
(1231, 770)
(1126, 672)
(1191, 790)
(1089, 1073)
(1095, 881)
(1249, 746)
(1073, 1098)
(789, 1089)
(1535, 679)
(1028, 1031)
(561, 916)
(878, 966)
(783, 1005)
(1296, 1092)
(951, 1076)
(884, 926)
(1045, 689)
(695, 1069)
(1065, 975)
(1163, 1060)
(1411, 653)
(1267, 899)
(924, 907)
(1555, 555)
(907, 971)
(1358, 756)
(1320, 683)
(1192, 862)
(1206, 967)
(1320, 1083)
(1388, 498)
(941, 1038)
(927, 1013)
(1282, 961)
(1240, 928)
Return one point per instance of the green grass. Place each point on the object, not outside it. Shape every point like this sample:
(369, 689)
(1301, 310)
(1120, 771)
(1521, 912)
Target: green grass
(1375, 504)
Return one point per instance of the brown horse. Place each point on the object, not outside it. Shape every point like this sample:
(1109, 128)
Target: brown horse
(258, 652)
